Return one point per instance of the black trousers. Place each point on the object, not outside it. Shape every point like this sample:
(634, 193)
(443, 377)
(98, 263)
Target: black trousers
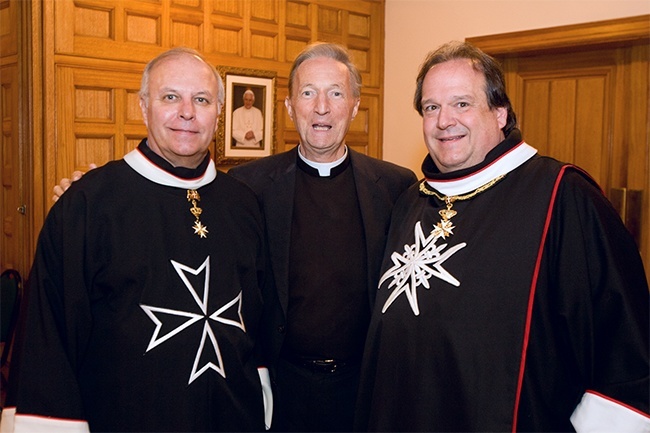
(313, 401)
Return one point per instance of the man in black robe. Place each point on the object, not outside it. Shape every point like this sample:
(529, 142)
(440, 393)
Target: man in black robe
(145, 297)
(512, 298)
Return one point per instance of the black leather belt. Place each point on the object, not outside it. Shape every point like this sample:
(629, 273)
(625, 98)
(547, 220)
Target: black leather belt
(318, 365)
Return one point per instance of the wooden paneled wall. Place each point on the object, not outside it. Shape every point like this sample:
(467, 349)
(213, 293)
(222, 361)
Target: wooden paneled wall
(85, 62)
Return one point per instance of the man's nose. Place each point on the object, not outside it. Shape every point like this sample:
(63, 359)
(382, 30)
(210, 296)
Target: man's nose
(322, 104)
(187, 110)
(445, 118)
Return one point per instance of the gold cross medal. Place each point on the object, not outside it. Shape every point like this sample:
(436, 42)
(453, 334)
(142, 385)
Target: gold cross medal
(199, 229)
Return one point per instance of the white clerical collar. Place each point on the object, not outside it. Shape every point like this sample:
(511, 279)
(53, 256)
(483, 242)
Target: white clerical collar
(151, 171)
(324, 168)
(502, 165)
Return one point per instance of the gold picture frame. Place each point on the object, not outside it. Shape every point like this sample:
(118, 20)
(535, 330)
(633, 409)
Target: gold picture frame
(236, 82)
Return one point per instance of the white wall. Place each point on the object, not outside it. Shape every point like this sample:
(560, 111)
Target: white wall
(416, 27)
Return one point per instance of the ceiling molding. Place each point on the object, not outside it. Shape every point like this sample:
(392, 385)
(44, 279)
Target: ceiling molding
(623, 31)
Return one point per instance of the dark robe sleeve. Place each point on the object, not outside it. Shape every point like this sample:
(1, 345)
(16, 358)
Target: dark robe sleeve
(601, 292)
(55, 319)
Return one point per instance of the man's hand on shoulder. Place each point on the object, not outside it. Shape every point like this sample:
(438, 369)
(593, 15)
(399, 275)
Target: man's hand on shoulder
(65, 183)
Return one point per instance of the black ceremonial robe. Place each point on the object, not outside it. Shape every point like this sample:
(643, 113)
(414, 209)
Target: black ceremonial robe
(134, 322)
(533, 298)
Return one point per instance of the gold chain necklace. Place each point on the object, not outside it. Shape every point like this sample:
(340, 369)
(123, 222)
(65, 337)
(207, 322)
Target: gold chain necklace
(194, 197)
(444, 227)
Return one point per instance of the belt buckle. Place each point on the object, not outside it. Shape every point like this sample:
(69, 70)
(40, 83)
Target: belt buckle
(325, 365)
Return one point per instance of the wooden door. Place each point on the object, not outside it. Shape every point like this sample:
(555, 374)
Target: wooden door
(11, 195)
(586, 103)
(14, 139)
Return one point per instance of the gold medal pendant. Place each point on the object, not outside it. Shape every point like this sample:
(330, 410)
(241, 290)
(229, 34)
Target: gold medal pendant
(445, 228)
(199, 229)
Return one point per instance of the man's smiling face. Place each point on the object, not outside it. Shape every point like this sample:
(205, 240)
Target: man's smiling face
(181, 109)
(459, 126)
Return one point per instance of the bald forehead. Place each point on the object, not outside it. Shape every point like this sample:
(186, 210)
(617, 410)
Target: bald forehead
(183, 57)
(322, 70)
(183, 72)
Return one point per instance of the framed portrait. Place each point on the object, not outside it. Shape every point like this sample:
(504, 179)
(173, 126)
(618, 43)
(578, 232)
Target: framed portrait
(247, 120)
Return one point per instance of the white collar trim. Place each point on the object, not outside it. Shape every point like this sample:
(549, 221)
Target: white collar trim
(324, 168)
(151, 171)
(503, 165)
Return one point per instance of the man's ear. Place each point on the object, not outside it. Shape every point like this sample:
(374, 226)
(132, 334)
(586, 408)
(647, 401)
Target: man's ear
(287, 103)
(502, 116)
(356, 108)
(143, 108)
(216, 123)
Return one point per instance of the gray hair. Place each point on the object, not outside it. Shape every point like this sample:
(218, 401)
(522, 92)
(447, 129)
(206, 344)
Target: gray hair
(175, 52)
(332, 51)
(495, 88)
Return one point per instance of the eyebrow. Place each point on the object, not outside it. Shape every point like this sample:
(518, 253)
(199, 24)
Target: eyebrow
(329, 86)
(454, 98)
(199, 93)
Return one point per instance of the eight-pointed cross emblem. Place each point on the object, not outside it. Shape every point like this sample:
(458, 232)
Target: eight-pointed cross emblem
(417, 264)
(208, 339)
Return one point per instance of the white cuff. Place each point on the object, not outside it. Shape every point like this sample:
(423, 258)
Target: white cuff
(598, 414)
(267, 395)
(18, 423)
